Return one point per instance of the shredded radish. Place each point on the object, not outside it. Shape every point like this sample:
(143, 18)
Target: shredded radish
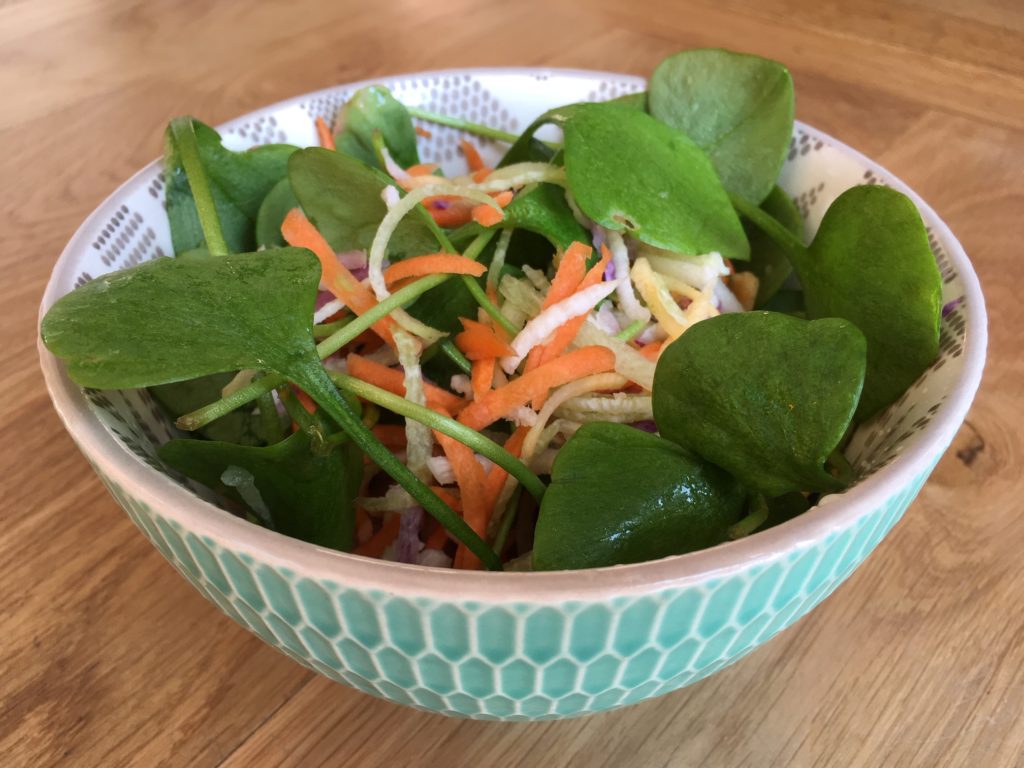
(397, 172)
(441, 469)
(580, 217)
(605, 319)
(519, 175)
(390, 196)
(628, 302)
(656, 293)
(500, 251)
(384, 355)
(651, 334)
(628, 362)
(698, 271)
(435, 558)
(537, 278)
(520, 294)
(548, 321)
(523, 416)
(618, 407)
(332, 307)
(419, 437)
(463, 385)
(726, 299)
(395, 499)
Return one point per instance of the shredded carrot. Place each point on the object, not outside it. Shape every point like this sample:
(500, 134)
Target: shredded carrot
(481, 175)
(651, 351)
(571, 271)
(306, 400)
(381, 539)
(486, 216)
(433, 264)
(422, 169)
(394, 381)
(480, 342)
(496, 476)
(437, 538)
(447, 497)
(323, 132)
(423, 132)
(476, 163)
(392, 435)
(482, 377)
(470, 477)
(499, 402)
(299, 232)
(563, 337)
(449, 210)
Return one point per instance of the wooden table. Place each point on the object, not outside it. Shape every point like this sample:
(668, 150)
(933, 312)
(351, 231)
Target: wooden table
(107, 656)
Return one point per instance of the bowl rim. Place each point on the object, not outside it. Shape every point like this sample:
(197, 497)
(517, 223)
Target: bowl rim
(204, 519)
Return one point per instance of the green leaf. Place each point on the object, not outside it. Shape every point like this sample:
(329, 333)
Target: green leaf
(169, 319)
(735, 106)
(273, 209)
(374, 109)
(309, 494)
(341, 196)
(542, 210)
(768, 260)
(620, 495)
(241, 427)
(871, 264)
(629, 172)
(172, 319)
(765, 396)
(239, 181)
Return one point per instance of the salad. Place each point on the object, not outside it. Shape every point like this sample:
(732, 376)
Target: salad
(608, 348)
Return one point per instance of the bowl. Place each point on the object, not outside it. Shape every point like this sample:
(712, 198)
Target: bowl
(513, 646)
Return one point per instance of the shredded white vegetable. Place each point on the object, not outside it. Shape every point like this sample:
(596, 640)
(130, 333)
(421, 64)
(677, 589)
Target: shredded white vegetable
(419, 438)
(698, 271)
(628, 301)
(726, 299)
(441, 469)
(619, 407)
(520, 294)
(462, 384)
(549, 320)
(332, 307)
(537, 278)
(395, 499)
(628, 362)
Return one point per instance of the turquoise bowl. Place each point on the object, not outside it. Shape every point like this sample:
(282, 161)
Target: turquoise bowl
(513, 646)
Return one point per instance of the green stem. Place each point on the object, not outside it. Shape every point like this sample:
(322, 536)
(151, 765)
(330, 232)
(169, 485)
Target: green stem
(766, 223)
(446, 426)
(184, 134)
(755, 518)
(507, 519)
(296, 411)
(315, 382)
(324, 330)
(488, 306)
(453, 353)
(631, 331)
(270, 419)
(401, 298)
(465, 125)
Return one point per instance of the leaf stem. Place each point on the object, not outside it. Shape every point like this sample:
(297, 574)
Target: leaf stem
(464, 125)
(631, 331)
(184, 133)
(317, 385)
(401, 298)
(507, 519)
(453, 353)
(755, 518)
(270, 419)
(767, 223)
(470, 437)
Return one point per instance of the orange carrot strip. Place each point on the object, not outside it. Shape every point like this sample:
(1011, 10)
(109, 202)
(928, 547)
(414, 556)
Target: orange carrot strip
(481, 175)
(422, 169)
(564, 336)
(486, 216)
(498, 402)
(476, 163)
(432, 264)
(299, 232)
(323, 132)
(482, 377)
(420, 131)
(470, 477)
(305, 400)
(437, 539)
(394, 381)
(496, 477)
(447, 497)
(571, 271)
(651, 351)
(381, 539)
(479, 341)
(392, 435)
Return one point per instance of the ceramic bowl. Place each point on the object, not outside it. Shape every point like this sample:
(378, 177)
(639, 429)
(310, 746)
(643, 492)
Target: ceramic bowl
(513, 646)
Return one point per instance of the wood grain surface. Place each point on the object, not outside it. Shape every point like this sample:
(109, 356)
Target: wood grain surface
(109, 658)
